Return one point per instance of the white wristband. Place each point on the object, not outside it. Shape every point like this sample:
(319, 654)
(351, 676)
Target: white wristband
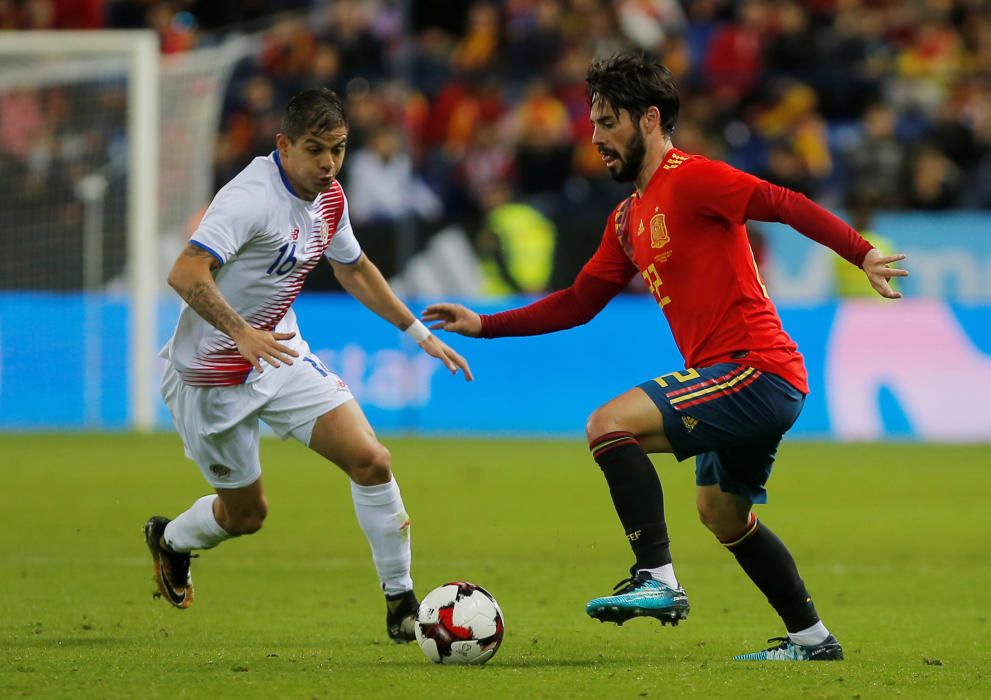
(417, 331)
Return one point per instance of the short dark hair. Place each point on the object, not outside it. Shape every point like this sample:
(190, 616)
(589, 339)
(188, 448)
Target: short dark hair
(313, 111)
(635, 84)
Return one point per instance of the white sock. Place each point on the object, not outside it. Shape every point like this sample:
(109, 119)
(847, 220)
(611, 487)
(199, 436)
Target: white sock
(383, 519)
(810, 636)
(197, 528)
(664, 574)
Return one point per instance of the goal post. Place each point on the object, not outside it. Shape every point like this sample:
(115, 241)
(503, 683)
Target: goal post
(143, 111)
(139, 50)
(106, 159)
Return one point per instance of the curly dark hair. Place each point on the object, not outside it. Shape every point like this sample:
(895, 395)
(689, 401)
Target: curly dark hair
(634, 83)
(313, 111)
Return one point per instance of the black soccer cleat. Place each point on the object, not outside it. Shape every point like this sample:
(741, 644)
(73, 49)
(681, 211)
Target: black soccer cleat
(172, 574)
(400, 616)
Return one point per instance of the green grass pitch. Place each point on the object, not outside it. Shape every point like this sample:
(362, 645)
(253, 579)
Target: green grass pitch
(893, 541)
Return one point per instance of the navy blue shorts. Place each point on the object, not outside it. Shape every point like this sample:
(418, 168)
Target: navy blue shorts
(730, 417)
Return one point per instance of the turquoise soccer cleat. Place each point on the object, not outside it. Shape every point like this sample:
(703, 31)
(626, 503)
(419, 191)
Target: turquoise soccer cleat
(640, 596)
(786, 650)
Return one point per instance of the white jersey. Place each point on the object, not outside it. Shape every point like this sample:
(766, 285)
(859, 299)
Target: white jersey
(266, 240)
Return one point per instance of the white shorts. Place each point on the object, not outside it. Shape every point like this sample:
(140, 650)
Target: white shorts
(219, 425)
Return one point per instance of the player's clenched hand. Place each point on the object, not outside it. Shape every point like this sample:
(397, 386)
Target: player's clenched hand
(435, 347)
(256, 345)
(876, 268)
(453, 318)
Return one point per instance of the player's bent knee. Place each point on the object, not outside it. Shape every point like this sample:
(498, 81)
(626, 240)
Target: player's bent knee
(601, 421)
(372, 467)
(721, 522)
(246, 526)
(708, 519)
(246, 521)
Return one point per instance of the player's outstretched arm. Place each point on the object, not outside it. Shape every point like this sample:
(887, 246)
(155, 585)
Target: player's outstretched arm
(560, 310)
(877, 267)
(453, 318)
(191, 277)
(364, 281)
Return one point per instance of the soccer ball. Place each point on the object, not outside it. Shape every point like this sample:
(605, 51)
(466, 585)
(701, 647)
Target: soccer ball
(459, 623)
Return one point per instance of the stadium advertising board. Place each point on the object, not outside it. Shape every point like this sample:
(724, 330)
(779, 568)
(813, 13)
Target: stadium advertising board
(913, 369)
(949, 257)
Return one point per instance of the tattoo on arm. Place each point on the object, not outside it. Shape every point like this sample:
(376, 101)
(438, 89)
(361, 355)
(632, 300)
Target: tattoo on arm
(207, 301)
(194, 251)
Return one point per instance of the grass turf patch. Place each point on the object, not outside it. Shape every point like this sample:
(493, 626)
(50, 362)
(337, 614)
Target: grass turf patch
(891, 540)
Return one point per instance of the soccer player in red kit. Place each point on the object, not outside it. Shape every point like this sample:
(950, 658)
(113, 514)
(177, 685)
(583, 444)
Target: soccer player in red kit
(744, 382)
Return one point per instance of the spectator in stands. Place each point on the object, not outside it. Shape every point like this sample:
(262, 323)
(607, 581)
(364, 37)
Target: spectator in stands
(515, 245)
(21, 121)
(650, 23)
(538, 43)
(37, 14)
(541, 128)
(459, 108)
(324, 69)
(793, 51)
(489, 159)
(932, 57)
(382, 186)
(792, 119)
(604, 37)
(952, 133)
(786, 168)
(287, 51)
(856, 57)
(734, 56)
(478, 50)
(913, 77)
(250, 123)
(934, 181)
(176, 29)
(350, 28)
(429, 67)
(877, 159)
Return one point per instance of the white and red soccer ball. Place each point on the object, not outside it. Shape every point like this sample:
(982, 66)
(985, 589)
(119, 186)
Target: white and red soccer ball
(459, 623)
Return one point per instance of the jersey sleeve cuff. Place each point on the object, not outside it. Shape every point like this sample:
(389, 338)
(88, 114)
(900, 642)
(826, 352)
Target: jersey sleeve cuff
(208, 249)
(349, 262)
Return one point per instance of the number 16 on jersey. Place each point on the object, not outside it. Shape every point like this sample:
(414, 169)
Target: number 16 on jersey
(285, 262)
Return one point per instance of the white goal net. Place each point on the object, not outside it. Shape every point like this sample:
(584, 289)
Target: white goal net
(105, 153)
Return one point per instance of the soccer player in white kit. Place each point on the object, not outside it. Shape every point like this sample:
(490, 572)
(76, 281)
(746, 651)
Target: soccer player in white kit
(237, 356)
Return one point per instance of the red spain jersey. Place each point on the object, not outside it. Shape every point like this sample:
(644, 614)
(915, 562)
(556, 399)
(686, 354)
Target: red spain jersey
(686, 237)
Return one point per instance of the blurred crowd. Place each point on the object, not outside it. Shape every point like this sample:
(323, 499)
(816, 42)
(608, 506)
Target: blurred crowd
(475, 113)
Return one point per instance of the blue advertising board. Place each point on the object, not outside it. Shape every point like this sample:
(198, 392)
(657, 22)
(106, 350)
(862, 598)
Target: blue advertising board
(913, 369)
(949, 256)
